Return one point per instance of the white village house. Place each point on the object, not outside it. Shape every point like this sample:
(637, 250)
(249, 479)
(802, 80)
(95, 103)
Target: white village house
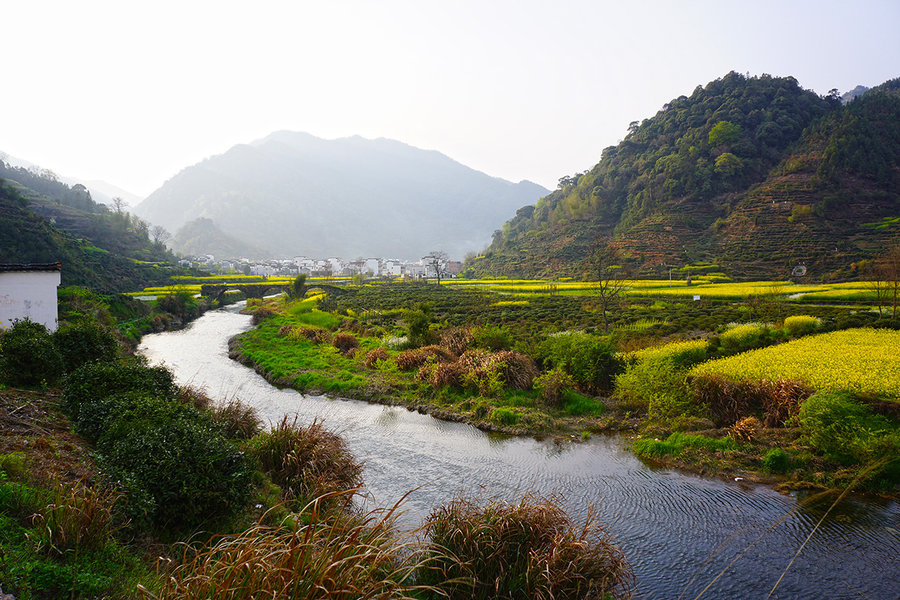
(29, 291)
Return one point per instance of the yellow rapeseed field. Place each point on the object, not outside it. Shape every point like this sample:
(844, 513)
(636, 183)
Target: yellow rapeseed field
(855, 360)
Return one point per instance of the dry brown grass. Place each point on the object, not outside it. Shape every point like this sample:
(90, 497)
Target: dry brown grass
(79, 517)
(346, 557)
(307, 461)
(729, 401)
(345, 342)
(457, 339)
(528, 550)
(374, 356)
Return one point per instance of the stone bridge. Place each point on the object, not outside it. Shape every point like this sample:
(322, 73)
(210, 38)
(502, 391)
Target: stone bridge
(215, 291)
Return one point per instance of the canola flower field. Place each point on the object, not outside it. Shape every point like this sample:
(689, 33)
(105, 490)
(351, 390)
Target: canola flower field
(857, 360)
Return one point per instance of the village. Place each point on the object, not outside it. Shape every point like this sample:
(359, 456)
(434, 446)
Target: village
(426, 267)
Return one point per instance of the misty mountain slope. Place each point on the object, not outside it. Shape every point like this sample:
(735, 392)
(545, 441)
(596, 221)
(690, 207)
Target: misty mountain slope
(292, 194)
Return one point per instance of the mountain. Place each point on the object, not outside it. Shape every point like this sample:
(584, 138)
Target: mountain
(202, 236)
(295, 194)
(854, 93)
(751, 176)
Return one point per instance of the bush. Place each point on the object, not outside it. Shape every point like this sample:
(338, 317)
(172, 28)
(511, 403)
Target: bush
(552, 384)
(492, 337)
(801, 325)
(743, 337)
(308, 461)
(28, 355)
(842, 428)
(590, 360)
(84, 342)
(374, 356)
(95, 381)
(679, 354)
(525, 550)
(776, 460)
(345, 342)
(173, 453)
(654, 386)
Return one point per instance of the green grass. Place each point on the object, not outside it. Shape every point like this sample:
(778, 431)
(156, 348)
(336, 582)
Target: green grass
(678, 442)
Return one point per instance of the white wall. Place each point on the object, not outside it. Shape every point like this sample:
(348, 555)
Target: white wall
(29, 294)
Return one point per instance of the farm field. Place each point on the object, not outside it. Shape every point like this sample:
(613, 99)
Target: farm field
(862, 361)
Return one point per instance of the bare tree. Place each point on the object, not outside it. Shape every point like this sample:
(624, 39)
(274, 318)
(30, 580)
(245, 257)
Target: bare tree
(159, 234)
(437, 260)
(119, 204)
(887, 270)
(610, 275)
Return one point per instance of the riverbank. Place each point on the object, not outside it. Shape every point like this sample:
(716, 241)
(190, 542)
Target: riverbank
(458, 376)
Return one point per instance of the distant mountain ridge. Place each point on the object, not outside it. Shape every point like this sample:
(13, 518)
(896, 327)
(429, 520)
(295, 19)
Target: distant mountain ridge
(754, 176)
(295, 194)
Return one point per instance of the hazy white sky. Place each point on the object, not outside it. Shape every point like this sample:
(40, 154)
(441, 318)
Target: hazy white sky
(133, 92)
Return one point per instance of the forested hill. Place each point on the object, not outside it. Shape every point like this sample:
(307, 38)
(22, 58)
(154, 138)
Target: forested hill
(101, 250)
(755, 175)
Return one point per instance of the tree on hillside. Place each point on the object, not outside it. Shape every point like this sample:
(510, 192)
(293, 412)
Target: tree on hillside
(159, 234)
(437, 260)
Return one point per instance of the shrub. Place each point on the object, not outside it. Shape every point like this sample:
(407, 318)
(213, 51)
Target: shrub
(83, 342)
(308, 461)
(174, 454)
(374, 356)
(590, 360)
(743, 337)
(654, 386)
(842, 428)
(525, 550)
(442, 374)
(313, 334)
(678, 354)
(492, 337)
(552, 384)
(94, 381)
(345, 342)
(12, 466)
(28, 355)
(776, 460)
(801, 325)
(727, 401)
(414, 359)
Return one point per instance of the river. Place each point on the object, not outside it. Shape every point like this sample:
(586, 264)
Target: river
(679, 531)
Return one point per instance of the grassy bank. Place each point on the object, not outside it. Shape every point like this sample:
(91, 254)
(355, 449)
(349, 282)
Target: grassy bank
(547, 366)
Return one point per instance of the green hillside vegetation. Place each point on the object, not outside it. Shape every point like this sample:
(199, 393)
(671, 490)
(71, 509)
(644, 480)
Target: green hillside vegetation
(26, 237)
(756, 175)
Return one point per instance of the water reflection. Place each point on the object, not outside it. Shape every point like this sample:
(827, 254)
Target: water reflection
(678, 530)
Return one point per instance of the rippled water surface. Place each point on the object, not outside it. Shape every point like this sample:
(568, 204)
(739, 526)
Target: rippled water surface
(679, 531)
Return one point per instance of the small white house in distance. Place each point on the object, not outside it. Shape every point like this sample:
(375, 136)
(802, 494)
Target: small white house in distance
(29, 291)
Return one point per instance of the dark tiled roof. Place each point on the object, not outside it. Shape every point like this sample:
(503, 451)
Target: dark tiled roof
(32, 267)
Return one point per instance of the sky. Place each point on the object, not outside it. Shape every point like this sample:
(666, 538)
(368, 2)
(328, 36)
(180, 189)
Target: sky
(133, 92)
